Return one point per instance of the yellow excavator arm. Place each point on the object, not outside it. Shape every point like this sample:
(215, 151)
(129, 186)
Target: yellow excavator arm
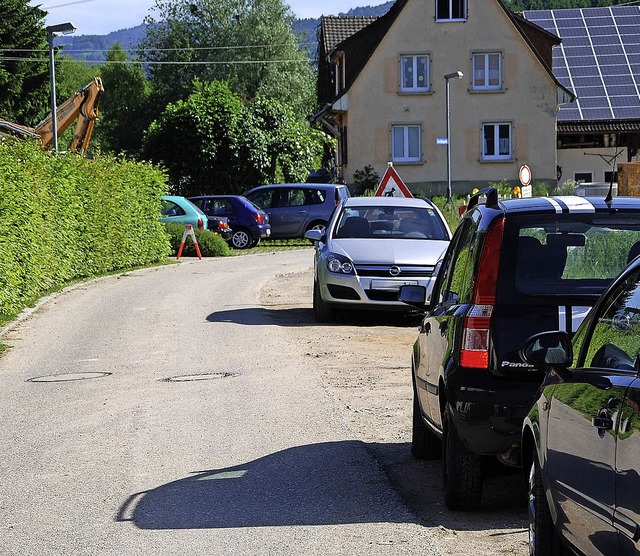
(83, 106)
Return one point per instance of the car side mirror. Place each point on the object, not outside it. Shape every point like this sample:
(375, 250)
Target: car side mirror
(548, 350)
(314, 235)
(416, 296)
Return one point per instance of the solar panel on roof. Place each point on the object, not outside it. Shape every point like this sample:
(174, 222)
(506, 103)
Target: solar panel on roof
(609, 50)
(593, 102)
(600, 46)
(597, 113)
(621, 90)
(569, 114)
(588, 92)
(627, 113)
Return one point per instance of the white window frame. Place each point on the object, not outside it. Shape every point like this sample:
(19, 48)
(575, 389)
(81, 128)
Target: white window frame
(485, 86)
(406, 156)
(450, 10)
(497, 141)
(415, 88)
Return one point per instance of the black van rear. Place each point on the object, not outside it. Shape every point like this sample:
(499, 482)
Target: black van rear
(514, 268)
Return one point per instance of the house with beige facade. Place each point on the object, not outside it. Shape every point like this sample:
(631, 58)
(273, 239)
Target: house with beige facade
(383, 90)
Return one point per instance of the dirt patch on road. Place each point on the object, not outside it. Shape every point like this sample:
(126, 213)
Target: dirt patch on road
(364, 360)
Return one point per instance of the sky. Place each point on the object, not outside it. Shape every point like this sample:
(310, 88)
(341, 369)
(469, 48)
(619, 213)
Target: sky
(99, 17)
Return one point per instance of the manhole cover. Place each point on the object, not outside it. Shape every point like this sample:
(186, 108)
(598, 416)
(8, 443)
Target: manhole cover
(203, 376)
(68, 377)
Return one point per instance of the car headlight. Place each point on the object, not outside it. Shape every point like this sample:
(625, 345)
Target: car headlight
(339, 264)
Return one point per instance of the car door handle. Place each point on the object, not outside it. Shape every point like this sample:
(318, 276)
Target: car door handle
(443, 327)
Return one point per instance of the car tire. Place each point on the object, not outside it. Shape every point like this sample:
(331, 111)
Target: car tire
(322, 312)
(461, 470)
(424, 443)
(317, 225)
(543, 539)
(241, 239)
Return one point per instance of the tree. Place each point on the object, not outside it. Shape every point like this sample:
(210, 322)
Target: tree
(213, 143)
(24, 84)
(248, 43)
(124, 109)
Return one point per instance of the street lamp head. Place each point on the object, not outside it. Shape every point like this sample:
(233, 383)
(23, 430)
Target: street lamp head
(454, 75)
(64, 28)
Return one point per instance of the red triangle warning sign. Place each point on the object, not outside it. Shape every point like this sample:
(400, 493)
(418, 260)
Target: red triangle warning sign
(391, 185)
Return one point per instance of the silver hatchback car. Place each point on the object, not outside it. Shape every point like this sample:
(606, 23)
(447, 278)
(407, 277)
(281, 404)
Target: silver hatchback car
(371, 247)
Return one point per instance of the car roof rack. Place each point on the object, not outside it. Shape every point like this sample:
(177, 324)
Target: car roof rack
(491, 194)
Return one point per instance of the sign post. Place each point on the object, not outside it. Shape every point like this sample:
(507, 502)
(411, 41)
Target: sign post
(391, 185)
(525, 180)
(188, 231)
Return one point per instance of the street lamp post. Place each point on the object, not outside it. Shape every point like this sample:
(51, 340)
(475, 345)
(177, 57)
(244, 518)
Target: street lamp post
(454, 75)
(65, 29)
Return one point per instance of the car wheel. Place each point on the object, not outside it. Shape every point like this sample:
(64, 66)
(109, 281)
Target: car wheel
(461, 470)
(322, 312)
(424, 443)
(543, 540)
(318, 225)
(241, 239)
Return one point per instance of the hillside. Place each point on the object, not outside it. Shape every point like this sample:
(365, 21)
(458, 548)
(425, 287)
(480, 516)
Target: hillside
(93, 48)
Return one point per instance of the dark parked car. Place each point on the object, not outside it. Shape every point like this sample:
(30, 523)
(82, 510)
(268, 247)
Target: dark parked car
(514, 268)
(220, 225)
(249, 223)
(581, 439)
(295, 208)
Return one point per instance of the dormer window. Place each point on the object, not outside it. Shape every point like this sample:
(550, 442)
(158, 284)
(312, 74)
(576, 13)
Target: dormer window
(451, 10)
(414, 73)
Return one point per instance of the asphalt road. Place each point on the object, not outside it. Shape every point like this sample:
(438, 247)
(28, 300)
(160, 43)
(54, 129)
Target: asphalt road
(164, 412)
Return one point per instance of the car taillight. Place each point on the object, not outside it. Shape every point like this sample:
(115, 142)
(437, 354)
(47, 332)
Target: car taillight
(476, 338)
(223, 225)
(200, 224)
(259, 218)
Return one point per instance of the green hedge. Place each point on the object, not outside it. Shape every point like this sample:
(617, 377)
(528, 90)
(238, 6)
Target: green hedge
(64, 218)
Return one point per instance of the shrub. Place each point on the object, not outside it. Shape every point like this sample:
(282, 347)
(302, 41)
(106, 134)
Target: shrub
(365, 181)
(210, 243)
(64, 218)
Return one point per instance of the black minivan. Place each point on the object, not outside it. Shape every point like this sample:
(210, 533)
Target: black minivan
(514, 268)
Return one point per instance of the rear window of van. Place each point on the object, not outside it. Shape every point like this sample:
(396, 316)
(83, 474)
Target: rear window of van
(571, 254)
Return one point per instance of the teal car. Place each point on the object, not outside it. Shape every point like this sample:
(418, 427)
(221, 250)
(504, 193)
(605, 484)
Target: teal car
(182, 211)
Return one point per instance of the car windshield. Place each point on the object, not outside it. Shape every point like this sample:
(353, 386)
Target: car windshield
(574, 255)
(390, 222)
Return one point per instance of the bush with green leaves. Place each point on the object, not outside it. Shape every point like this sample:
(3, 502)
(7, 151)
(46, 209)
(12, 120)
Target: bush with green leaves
(365, 181)
(210, 243)
(64, 218)
(213, 142)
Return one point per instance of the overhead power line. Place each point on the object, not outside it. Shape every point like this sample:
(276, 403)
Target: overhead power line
(135, 50)
(164, 63)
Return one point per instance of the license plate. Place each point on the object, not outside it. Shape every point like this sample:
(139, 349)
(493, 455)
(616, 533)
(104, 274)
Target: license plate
(391, 285)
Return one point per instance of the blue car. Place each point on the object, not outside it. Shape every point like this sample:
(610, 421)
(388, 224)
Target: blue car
(295, 208)
(249, 223)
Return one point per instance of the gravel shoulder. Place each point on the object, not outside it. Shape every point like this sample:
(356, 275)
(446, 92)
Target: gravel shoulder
(364, 360)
